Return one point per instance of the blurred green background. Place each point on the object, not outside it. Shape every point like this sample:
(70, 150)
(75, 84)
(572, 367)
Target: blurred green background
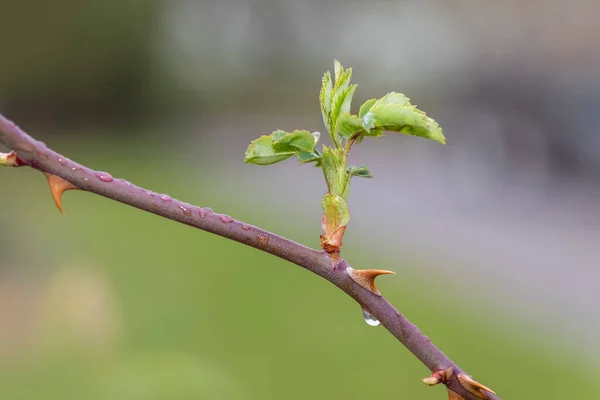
(493, 237)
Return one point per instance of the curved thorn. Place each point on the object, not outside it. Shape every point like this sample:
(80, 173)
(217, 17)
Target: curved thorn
(366, 277)
(473, 386)
(57, 187)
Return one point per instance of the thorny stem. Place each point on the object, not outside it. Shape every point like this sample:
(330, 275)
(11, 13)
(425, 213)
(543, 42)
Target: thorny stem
(35, 154)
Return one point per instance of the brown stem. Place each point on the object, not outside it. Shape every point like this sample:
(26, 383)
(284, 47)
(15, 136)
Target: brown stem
(36, 155)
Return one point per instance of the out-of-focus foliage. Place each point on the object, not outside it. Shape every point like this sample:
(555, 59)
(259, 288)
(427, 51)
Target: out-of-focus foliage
(70, 59)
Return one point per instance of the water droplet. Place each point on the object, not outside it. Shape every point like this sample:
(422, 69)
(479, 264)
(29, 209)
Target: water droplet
(186, 211)
(204, 212)
(104, 177)
(61, 161)
(151, 194)
(263, 240)
(369, 319)
(225, 219)
(246, 227)
(166, 198)
(75, 169)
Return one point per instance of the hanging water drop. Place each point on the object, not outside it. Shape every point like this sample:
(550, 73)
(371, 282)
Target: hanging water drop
(369, 319)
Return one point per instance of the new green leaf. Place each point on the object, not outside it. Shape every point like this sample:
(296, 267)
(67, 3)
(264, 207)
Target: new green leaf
(335, 174)
(341, 104)
(279, 146)
(392, 98)
(336, 210)
(361, 172)
(340, 98)
(300, 140)
(325, 98)
(348, 125)
(366, 107)
(403, 118)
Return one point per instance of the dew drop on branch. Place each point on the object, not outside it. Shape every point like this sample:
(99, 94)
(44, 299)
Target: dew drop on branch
(104, 177)
(225, 219)
(186, 210)
(369, 319)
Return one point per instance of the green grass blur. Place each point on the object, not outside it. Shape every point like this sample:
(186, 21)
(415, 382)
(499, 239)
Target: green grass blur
(127, 305)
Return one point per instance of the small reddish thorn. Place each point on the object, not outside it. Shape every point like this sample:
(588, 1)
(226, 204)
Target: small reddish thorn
(57, 187)
(366, 277)
(473, 386)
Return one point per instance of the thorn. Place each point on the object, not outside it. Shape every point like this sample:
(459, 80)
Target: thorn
(57, 187)
(438, 376)
(366, 277)
(473, 386)
(454, 396)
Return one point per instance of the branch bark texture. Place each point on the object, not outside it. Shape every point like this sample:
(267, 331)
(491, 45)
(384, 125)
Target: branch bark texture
(35, 154)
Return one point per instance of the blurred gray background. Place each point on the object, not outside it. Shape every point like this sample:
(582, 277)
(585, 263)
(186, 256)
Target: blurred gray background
(505, 218)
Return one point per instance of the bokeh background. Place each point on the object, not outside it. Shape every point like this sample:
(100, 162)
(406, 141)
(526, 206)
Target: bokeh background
(494, 237)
